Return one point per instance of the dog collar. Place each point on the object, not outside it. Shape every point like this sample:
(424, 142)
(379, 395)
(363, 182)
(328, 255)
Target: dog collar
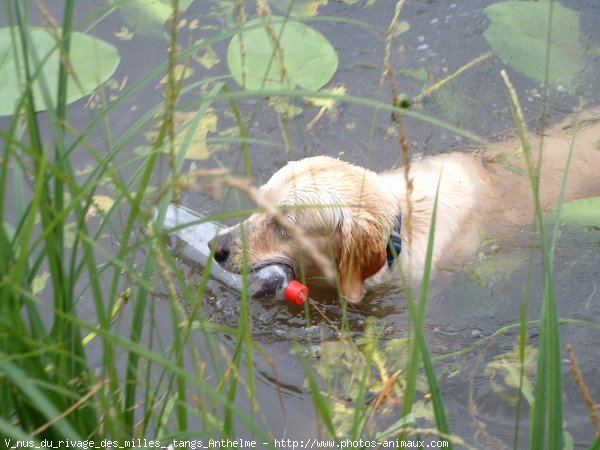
(395, 242)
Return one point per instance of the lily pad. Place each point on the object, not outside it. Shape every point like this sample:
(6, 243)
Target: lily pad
(518, 33)
(148, 17)
(585, 211)
(93, 61)
(309, 59)
(299, 7)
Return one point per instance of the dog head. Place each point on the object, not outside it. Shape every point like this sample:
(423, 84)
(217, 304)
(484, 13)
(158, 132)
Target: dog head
(343, 211)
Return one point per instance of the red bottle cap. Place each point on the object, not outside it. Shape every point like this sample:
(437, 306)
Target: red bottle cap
(296, 292)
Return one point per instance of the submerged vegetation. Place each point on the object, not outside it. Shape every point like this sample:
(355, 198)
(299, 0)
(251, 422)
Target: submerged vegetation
(106, 336)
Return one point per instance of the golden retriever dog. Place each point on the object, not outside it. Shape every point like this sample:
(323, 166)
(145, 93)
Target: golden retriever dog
(348, 213)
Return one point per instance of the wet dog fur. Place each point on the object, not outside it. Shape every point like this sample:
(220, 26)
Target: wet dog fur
(347, 212)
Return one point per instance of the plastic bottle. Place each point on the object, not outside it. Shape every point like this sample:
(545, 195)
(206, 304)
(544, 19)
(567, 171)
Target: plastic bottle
(194, 233)
(277, 281)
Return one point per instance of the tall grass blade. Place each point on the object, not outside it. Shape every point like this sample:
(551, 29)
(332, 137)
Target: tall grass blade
(548, 407)
(420, 343)
(46, 407)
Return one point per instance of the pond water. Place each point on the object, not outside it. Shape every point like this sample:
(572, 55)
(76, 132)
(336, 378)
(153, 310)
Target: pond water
(438, 38)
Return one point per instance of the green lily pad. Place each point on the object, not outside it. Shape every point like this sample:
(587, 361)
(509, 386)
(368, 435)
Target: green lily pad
(585, 211)
(299, 7)
(309, 58)
(93, 61)
(518, 33)
(148, 17)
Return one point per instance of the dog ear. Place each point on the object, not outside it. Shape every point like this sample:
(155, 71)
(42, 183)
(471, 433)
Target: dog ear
(362, 254)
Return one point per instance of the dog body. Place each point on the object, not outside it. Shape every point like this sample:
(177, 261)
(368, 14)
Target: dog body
(347, 213)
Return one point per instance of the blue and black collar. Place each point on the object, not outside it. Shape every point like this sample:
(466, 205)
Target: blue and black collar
(395, 242)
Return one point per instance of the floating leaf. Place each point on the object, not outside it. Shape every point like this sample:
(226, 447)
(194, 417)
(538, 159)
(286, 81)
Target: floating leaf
(100, 204)
(181, 72)
(123, 34)
(309, 59)
(209, 59)
(585, 211)
(70, 234)
(504, 373)
(299, 7)
(147, 17)
(197, 148)
(39, 282)
(328, 103)
(284, 107)
(93, 61)
(401, 27)
(518, 33)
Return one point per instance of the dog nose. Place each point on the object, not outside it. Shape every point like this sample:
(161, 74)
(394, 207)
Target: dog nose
(220, 248)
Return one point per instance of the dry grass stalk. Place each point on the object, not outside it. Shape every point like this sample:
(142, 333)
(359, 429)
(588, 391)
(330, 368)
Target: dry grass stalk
(585, 392)
(241, 21)
(264, 12)
(53, 27)
(173, 84)
(430, 90)
(386, 391)
(95, 388)
(405, 149)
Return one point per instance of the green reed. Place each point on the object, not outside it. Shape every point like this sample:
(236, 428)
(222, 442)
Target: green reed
(49, 390)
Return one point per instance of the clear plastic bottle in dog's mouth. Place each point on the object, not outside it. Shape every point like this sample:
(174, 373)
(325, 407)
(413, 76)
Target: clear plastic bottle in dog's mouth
(277, 281)
(194, 233)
